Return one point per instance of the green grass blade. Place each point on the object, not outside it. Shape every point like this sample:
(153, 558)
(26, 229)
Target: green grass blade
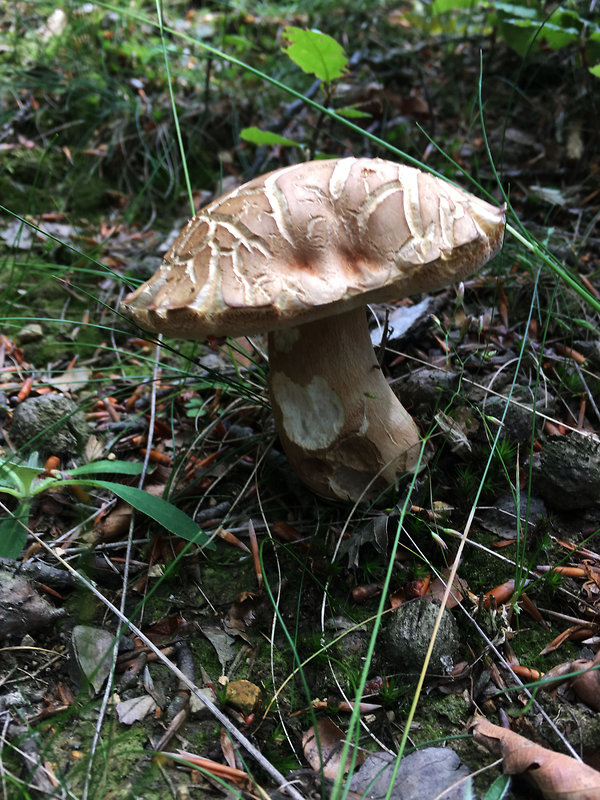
(166, 514)
(114, 467)
(13, 534)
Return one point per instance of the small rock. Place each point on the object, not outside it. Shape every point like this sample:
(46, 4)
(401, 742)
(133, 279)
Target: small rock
(32, 332)
(245, 696)
(424, 389)
(407, 634)
(50, 425)
(501, 518)
(22, 609)
(567, 472)
(198, 708)
(432, 772)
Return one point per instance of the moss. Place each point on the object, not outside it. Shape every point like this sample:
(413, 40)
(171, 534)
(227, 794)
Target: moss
(454, 707)
(434, 715)
(579, 724)
(202, 734)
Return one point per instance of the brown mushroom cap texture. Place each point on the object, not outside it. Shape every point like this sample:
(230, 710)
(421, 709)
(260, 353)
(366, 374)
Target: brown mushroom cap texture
(311, 240)
(296, 253)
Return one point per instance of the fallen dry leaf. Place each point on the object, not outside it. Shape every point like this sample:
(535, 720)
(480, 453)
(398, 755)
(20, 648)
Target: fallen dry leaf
(438, 587)
(91, 654)
(224, 771)
(557, 776)
(326, 749)
(135, 709)
(587, 685)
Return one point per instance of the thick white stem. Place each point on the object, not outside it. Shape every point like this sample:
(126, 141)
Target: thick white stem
(343, 430)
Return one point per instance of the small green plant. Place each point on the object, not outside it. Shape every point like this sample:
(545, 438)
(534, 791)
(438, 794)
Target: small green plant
(27, 481)
(316, 54)
(467, 483)
(553, 579)
(391, 692)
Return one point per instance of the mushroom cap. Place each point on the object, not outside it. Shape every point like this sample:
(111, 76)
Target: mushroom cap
(311, 240)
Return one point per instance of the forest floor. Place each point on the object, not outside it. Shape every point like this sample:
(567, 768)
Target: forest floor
(279, 605)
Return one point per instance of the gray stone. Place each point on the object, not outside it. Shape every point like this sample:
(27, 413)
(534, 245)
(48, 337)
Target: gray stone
(501, 518)
(50, 425)
(567, 472)
(424, 389)
(22, 609)
(407, 634)
(429, 773)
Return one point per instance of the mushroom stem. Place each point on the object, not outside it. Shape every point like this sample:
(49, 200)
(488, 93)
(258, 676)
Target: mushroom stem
(342, 428)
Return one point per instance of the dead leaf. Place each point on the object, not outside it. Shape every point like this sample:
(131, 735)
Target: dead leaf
(557, 776)
(71, 380)
(228, 749)
(325, 749)
(438, 587)
(400, 320)
(373, 531)
(500, 594)
(456, 432)
(527, 605)
(91, 653)
(587, 685)
(574, 633)
(223, 771)
(222, 643)
(135, 709)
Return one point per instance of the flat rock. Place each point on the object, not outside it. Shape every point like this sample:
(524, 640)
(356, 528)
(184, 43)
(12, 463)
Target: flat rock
(425, 773)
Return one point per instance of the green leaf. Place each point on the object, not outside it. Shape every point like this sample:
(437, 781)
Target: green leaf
(116, 467)
(519, 10)
(557, 36)
(12, 533)
(584, 323)
(254, 135)
(595, 70)
(315, 53)
(443, 6)
(161, 511)
(498, 789)
(19, 477)
(10, 480)
(349, 112)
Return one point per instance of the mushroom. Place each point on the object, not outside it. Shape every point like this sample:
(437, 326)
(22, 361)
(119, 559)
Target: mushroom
(299, 253)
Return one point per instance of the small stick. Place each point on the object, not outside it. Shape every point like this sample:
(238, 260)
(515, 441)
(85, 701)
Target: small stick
(255, 554)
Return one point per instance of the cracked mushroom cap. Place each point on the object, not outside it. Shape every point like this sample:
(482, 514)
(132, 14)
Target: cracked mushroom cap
(312, 240)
